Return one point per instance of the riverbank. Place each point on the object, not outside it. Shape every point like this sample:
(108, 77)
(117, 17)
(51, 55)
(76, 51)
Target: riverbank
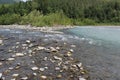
(53, 29)
(25, 55)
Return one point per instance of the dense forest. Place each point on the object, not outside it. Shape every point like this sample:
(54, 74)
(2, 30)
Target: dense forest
(61, 12)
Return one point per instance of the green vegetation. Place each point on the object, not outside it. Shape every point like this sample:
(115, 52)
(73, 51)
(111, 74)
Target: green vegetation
(61, 12)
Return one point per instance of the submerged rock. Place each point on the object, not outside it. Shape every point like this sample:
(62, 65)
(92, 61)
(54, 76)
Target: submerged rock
(43, 77)
(11, 59)
(1, 64)
(19, 54)
(34, 68)
(24, 78)
(15, 75)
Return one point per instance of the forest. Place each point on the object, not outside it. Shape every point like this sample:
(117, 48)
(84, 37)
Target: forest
(61, 12)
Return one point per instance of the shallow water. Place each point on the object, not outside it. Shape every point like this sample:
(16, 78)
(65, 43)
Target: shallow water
(101, 55)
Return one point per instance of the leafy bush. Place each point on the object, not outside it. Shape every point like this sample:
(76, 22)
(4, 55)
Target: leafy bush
(36, 18)
(7, 19)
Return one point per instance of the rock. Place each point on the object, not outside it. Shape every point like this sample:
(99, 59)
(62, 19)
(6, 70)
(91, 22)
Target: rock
(71, 50)
(11, 59)
(59, 76)
(73, 46)
(58, 48)
(35, 74)
(0, 76)
(43, 77)
(80, 78)
(15, 75)
(53, 49)
(19, 54)
(57, 58)
(40, 48)
(1, 42)
(42, 69)
(79, 65)
(24, 78)
(24, 45)
(29, 51)
(28, 41)
(13, 79)
(10, 68)
(45, 58)
(1, 64)
(17, 42)
(34, 68)
(57, 68)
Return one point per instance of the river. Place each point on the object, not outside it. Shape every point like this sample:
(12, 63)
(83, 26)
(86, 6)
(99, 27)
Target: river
(101, 53)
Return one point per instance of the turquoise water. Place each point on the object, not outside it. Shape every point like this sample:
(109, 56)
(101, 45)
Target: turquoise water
(101, 54)
(103, 34)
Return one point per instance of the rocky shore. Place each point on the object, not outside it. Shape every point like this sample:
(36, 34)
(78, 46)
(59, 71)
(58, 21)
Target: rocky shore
(42, 29)
(38, 58)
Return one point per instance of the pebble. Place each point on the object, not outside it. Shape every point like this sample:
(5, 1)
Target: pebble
(10, 68)
(59, 76)
(19, 54)
(1, 41)
(45, 58)
(0, 75)
(53, 49)
(57, 58)
(79, 65)
(11, 59)
(28, 41)
(42, 69)
(73, 46)
(15, 75)
(13, 79)
(41, 48)
(57, 68)
(82, 78)
(43, 77)
(71, 50)
(34, 68)
(35, 74)
(1, 64)
(24, 78)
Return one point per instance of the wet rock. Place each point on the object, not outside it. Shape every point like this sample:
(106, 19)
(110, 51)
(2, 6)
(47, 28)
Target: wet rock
(10, 68)
(57, 58)
(40, 48)
(17, 43)
(1, 42)
(28, 41)
(80, 78)
(43, 77)
(45, 58)
(35, 74)
(19, 54)
(79, 65)
(71, 50)
(11, 59)
(0, 76)
(24, 45)
(57, 68)
(53, 49)
(58, 48)
(59, 76)
(1, 64)
(34, 68)
(24, 78)
(42, 69)
(13, 79)
(73, 46)
(15, 75)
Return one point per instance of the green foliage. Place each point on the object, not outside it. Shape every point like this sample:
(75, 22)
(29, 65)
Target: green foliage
(9, 19)
(61, 12)
(38, 19)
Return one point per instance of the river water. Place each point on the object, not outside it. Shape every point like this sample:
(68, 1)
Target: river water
(101, 55)
(98, 48)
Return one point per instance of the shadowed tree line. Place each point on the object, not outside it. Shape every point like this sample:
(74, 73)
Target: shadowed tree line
(61, 12)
